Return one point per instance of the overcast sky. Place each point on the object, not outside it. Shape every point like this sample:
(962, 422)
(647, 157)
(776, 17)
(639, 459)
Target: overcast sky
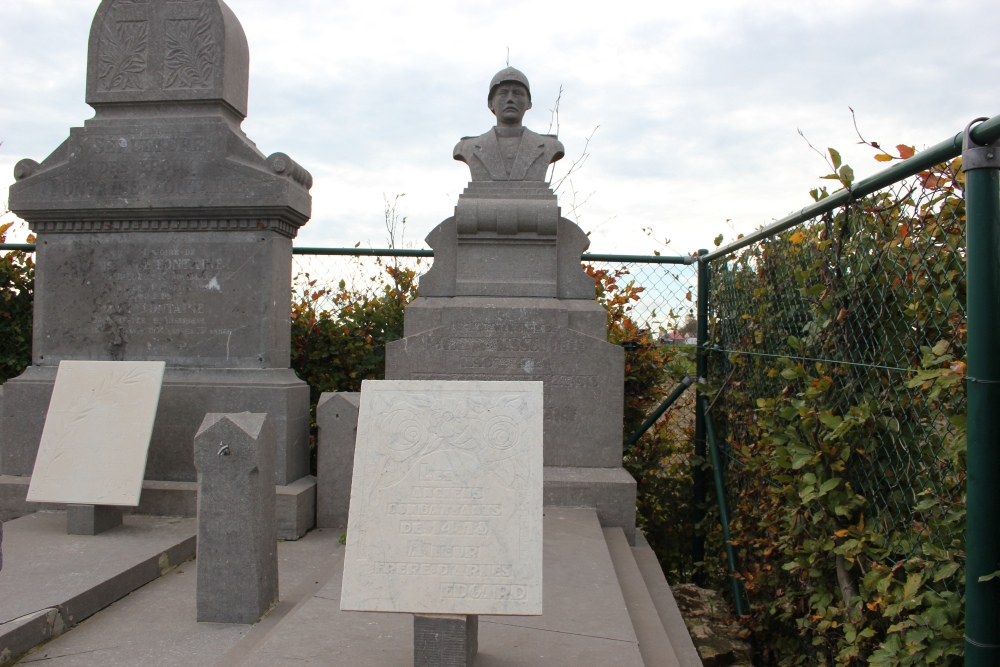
(697, 103)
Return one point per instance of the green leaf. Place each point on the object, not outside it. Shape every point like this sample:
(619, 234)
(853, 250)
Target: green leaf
(836, 158)
(829, 485)
(988, 577)
(913, 583)
(846, 176)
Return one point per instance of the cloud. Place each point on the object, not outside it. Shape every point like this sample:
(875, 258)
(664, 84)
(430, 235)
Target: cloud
(698, 103)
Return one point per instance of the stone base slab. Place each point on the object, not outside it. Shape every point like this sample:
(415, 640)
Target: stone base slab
(295, 510)
(185, 397)
(611, 491)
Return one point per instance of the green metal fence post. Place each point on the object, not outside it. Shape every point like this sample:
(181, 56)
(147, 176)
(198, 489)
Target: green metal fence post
(697, 508)
(982, 599)
(720, 495)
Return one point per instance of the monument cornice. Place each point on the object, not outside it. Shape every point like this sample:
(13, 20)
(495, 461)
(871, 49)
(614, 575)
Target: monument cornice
(285, 222)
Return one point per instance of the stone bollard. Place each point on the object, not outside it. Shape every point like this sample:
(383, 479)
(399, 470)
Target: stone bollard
(237, 538)
(337, 418)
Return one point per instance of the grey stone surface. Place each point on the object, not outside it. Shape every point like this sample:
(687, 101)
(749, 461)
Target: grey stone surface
(92, 519)
(442, 640)
(295, 508)
(525, 339)
(237, 557)
(52, 581)
(337, 419)
(163, 233)
(611, 491)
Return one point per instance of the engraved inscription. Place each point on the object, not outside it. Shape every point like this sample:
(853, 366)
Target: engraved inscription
(446, 499)
(122, 62)
(191, 53)
(188, 302)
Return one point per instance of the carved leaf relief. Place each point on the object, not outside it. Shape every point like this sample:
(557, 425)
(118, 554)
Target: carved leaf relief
(123, 55)
(190, 58)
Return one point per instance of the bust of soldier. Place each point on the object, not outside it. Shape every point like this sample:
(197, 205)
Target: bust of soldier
(509, 151)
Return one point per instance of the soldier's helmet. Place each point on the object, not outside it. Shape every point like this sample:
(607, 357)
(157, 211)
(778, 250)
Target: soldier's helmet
(505, 75)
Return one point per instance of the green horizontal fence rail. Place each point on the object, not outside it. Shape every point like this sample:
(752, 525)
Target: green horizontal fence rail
(860, 296)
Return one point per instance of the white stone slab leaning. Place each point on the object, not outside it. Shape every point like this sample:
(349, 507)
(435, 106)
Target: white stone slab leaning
(96, 435)
(446, 500)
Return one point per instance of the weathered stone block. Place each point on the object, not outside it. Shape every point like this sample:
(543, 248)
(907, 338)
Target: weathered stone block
(522, 339)
(441, 640)
(295, 510)
(446, 502)
(611, 491)
(337, 418)
(237, 540)
(92, 519)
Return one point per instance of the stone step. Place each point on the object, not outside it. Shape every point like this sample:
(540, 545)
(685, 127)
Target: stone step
(52, 581)
(654, 645)
(666, 607)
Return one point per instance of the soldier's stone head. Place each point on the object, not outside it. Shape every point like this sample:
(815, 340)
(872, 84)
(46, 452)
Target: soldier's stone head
(510, 97)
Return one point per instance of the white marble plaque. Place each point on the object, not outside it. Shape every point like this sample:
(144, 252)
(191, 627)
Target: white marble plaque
(446, 501)
(96, 433)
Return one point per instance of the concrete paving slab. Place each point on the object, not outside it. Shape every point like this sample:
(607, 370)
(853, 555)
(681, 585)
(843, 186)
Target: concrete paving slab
(45, 567)
(156, 627)
(51, 581)
(585, 620)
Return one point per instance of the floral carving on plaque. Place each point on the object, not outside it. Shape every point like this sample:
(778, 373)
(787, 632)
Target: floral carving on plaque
(123, 55)
(190, 57)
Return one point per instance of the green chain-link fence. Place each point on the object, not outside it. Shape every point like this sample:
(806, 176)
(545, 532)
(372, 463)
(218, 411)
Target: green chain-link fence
(837, 357)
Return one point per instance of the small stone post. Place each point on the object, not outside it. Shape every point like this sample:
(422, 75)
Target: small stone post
(337, 418)
(445, 640)
(237, 537)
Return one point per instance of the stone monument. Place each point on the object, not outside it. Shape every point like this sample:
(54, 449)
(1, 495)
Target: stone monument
(163, 233)
(507, 299)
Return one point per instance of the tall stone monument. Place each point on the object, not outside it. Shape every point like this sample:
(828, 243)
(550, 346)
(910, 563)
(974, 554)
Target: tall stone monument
(507, 299)
(163, 233)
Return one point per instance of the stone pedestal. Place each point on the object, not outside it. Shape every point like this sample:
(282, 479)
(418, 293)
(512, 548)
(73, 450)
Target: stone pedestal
(443, 640)
(92, 519)
(505, 329)
(237, 539)
(163, 233)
